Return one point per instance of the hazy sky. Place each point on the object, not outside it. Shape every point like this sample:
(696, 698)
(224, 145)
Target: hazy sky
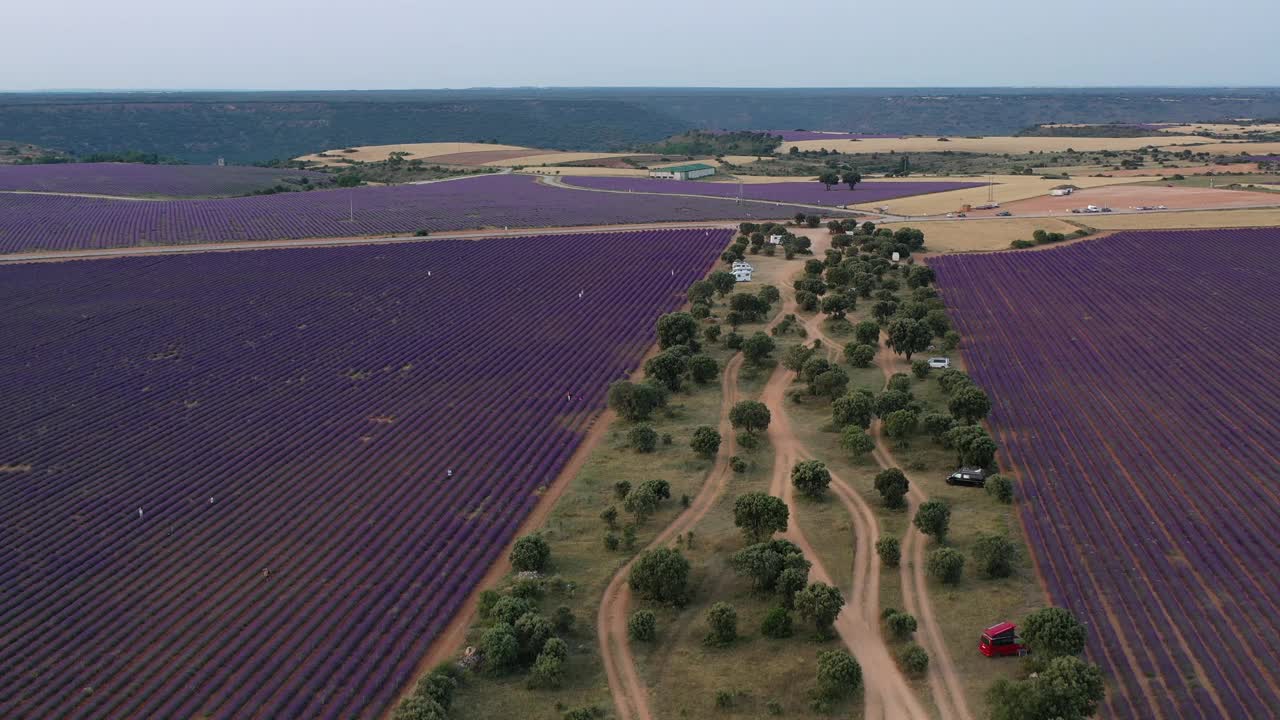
(359, 44)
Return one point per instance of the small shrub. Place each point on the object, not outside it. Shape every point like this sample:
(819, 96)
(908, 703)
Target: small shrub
(610, 517)
(839, 674)
(920, 368)
(724, 699)
(737, 464)
(901, 625)
(773, 707)
(642, 626)
(776, 624)
(747, 440)
(1000, 488)
(946, 564)
(643, 438)
(995, 555)
(913, 659)
(620, 489)
(722, 624)
(611, 541)
(889, 550)
(667, 439)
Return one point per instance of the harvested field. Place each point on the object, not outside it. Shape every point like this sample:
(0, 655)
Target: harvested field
(1236, 148)
(479, 157)
(811, 193)
(51, 222)
(1126, 197)
(1134, 400)
(1008, 188)
(1247, 167)
(1222, 128)
(232, 498)
(546, 157)
(578, 171)
(1015, 145)
(1205, 219)
(139, 180)
(950, 236)
(421, 151)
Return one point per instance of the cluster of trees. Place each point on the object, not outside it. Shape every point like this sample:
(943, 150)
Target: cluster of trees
(832, 177)
(754, 239)
(432, 697)
(698, 142)
(1056, 683)
(1040, 237)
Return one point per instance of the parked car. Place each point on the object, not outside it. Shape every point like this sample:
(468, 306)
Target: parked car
(1001, 640)
(939, 363)
(976, 477)
(1004, 213)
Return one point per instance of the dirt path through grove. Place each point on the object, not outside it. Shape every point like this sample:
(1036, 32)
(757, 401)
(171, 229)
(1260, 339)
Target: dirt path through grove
(630, 695)
(944, 678)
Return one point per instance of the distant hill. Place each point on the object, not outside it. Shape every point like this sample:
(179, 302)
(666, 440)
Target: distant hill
(247, 127)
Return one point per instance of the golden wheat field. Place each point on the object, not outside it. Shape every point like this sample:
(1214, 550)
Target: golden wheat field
(549, 157)
(1190, 219)
(1007, 188)
(956, 236)
(1222, 128)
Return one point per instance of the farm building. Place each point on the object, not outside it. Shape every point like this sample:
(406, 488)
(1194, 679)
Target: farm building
(775, 239)
(683, 172)
(742, 271)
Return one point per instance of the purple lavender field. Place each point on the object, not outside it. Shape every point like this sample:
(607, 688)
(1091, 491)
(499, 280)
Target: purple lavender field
(136, 179)
(1136, 400)
(224, 491)
(49, 222)
(808, 193)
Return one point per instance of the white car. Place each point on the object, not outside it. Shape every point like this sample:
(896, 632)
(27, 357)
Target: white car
(939, 363)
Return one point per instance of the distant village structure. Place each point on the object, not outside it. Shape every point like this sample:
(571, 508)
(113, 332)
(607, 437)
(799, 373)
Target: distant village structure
(692, 171)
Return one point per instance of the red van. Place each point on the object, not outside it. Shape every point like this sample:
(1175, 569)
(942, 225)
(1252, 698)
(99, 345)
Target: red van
(1000, 640)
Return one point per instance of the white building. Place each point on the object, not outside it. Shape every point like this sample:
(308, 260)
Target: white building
(683, 172)
(775, 239)
(741, 271)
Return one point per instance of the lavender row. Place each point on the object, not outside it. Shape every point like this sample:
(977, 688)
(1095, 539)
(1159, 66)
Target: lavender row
(284, 420)
(1166, 463)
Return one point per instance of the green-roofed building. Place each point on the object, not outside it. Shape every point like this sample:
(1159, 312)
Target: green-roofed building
(683, 172)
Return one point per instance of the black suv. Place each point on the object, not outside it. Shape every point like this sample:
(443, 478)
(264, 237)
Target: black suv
(976, 477)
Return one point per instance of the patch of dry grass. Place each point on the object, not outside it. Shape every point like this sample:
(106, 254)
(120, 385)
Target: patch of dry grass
(948, 236)
(1195, 219)
(546, 157)
(999, 144)
(1008, 188)
(421, 151)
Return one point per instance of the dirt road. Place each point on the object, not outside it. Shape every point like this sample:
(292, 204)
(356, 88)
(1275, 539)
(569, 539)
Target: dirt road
(887, 695)
(630, 695)
(944, 679)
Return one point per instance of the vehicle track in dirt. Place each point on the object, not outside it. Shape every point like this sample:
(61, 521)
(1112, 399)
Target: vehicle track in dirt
(944, 679)
(630, 694)
(887, 695)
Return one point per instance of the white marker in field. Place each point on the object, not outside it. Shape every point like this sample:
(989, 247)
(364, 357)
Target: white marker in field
(139, 513)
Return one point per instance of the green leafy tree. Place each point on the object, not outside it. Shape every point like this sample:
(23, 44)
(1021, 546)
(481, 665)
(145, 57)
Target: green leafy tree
(703, 369)
(860, 356)
(722, 625)
(548, 669)
(712, 333)
(757, 348)
(532, 632)
(933, 518)
(1000, 487)
(789, 584)
(920, 275)
(662, 575)
(667, 368)
(776, 624)
(722, 281)
(914, 659)
(530, 553)
(832, 383)
(829, 178)
(508, 608)
(889, 550)
(892, 485)
(765, 562)
(420, 708)
(811, 477)
(969, 404)
(856, 441)
(759, 515)
(749, 415)
(994, 555)
(643, 438)
(677, 328)
(499, 648)
(867, 332)
(839, 674)
(907, 336)
(920, 368)
(899, 382)
(636, 402)
(642, 502)
(901, 424)
(819, 603)
(796, 356)
(854, 409)
(1067, 689)
(891, 401)
(835, 306)
(937, 424)
(642, 625)
(813, 367)
(945, 564)
(901, 625)
(1052, 632)
(851, 178)
(702, 291)
(706, 441)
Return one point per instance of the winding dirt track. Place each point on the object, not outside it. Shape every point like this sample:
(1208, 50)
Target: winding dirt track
(887, 696)
(944, 679)
(630, 696)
